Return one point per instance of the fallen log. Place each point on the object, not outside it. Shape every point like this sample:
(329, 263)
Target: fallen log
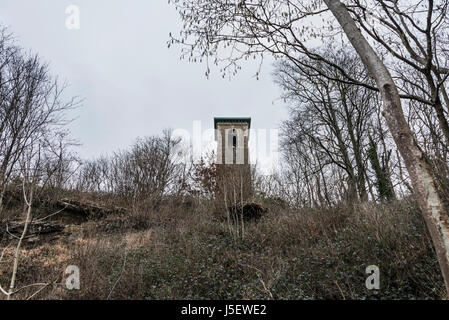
(87, 209)
(34, 229)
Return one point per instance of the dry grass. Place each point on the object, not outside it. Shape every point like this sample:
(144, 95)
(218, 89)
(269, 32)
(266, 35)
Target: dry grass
(179, 252)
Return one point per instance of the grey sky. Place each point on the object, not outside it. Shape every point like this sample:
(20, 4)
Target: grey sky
(131, 83)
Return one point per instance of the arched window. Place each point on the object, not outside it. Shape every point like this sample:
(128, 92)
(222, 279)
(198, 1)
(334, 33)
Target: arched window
(234, 139)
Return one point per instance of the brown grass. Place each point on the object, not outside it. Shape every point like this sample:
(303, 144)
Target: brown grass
(179, 252)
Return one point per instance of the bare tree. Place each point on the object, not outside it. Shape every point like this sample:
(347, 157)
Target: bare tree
(424, 185)
(33, 148)
(148, 170)
(31, 105)
(254, 27)
(414, 38)
(33, 173)
(333, 116)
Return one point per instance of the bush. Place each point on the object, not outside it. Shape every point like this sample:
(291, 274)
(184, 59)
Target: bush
(319, 253)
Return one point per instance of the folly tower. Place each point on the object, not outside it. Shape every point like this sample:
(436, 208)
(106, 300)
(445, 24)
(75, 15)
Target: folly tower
(232, 135)
(233, 166)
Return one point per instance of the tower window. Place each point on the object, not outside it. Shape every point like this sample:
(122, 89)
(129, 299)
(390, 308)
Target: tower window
(234, 139)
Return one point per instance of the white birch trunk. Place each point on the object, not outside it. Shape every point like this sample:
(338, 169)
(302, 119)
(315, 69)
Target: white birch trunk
(417, 165)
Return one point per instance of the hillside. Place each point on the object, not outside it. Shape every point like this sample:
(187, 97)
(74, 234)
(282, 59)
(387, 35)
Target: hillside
(181, 249)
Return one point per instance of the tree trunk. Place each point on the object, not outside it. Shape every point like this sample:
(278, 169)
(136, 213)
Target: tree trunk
(352, 180)
(417, 165)
(17, 251)
(356, 146)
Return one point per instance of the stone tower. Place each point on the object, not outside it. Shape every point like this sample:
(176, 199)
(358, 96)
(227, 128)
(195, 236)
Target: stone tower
(233, 166)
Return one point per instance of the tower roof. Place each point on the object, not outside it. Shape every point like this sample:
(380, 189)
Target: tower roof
(232, 120)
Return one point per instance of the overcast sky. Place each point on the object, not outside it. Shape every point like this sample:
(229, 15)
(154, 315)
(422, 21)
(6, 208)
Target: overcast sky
(131, 83)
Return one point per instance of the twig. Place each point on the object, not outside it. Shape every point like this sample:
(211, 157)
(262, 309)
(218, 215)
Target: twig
(24, 233)
(45, 286)
(4, 291)
(3, 252)
(8, 232)
(339, 288)
(120, 276)
(28, 286)
(260, 279)
(38, 220)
